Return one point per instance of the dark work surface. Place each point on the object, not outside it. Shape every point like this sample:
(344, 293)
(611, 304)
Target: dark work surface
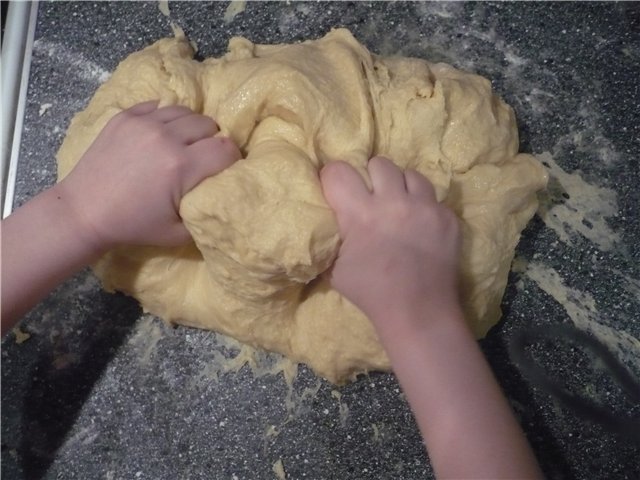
(101, 391)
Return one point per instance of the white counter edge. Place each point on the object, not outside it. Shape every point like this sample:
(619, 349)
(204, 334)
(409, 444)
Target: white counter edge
(15, 64)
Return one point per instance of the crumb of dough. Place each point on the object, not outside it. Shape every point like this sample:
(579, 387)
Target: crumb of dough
(376, 432)
(271, 431)
(234, 8)
(263, 233)
(343, 408)
(21, 336)
(278, 469)
(44, 108)
(163, 6)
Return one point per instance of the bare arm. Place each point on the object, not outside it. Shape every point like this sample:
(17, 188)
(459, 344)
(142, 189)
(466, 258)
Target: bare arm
(41, 246)
(467, 424)
(398, 264)
(125, 190)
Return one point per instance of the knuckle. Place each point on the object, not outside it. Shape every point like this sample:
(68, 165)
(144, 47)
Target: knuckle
(130, 121)
(153, 131)
(175, 165)
(226, 147)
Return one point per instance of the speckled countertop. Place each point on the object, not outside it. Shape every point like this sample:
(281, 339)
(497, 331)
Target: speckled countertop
(100, 391)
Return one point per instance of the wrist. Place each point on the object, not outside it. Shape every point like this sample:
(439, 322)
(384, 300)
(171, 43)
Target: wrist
(88, 241)
(429, 319)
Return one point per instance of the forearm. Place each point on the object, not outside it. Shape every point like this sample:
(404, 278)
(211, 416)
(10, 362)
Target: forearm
(42, 245)
(467, 424)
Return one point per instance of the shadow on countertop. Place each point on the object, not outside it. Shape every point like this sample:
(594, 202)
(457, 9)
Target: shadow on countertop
(63, 376)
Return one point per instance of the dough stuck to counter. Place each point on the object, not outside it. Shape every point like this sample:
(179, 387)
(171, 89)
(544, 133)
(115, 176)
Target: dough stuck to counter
(263, 233)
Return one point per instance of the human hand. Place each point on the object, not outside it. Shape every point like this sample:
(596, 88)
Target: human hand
(399, 247)
(126, 189)
(398, 263)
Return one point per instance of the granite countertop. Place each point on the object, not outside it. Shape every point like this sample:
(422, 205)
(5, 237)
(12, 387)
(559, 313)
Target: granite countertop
(93, 388)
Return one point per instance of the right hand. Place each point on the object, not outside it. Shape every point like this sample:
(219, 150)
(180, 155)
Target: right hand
(400, 247)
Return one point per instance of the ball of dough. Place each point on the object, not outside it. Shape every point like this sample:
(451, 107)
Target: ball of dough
(262, 231)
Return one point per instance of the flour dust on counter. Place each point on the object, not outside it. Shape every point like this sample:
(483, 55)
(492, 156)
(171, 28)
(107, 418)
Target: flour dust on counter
(582, 310)
(227, 356)
(571, 206)
(72, 62)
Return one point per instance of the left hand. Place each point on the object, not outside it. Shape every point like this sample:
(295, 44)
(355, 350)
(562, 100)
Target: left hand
(126, 189)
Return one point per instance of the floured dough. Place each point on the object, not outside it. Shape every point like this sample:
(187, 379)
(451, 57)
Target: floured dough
(263, 233)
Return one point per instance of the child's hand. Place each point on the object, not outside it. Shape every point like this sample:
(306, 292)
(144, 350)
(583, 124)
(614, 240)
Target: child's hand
(398, 263)
(126, 188)
(400, 246)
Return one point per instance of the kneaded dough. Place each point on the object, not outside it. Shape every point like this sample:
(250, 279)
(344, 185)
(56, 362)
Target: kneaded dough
(263, 234)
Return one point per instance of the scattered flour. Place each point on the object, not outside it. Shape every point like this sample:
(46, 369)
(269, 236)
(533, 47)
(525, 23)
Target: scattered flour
(76, 64)
(582, 310)
(572, 206)
(84, 436)
(148, 333)
(587, 138)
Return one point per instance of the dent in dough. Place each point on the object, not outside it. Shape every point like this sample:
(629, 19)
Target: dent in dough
(262, 231)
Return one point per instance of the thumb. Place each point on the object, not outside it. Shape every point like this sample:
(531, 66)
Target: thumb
(176, 235)
(208, 157)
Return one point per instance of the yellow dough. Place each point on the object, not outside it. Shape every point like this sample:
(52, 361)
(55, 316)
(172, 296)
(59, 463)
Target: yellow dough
(262, 231)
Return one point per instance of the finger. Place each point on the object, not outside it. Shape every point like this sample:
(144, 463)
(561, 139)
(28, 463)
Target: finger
(170, 113)
(208, 157)
(143, 108)
(191, 128)
(386, 177)
(344, 189)
(419, 185)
